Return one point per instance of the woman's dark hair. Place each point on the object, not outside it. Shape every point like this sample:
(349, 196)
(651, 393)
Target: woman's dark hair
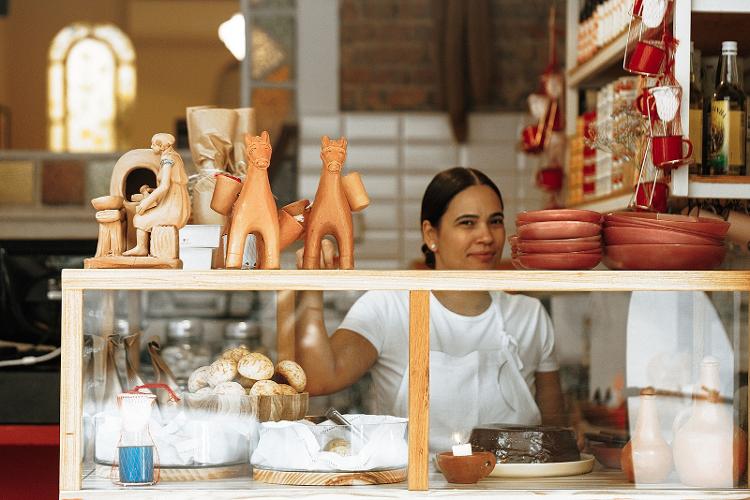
(441, 190)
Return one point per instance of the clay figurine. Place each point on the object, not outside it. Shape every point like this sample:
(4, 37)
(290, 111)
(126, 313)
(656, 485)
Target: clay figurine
(331, 212)
(148, 217)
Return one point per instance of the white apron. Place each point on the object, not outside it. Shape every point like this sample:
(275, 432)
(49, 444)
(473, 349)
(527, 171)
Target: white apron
(482, 387)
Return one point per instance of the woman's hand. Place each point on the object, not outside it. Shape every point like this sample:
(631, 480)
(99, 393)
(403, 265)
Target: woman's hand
(329, 258)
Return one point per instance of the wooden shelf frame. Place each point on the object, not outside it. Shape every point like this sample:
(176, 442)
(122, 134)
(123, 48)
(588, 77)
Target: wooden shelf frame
(418, 283)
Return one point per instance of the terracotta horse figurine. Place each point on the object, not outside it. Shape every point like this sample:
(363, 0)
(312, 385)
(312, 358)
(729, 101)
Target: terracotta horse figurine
(255, 209)
(330, 213)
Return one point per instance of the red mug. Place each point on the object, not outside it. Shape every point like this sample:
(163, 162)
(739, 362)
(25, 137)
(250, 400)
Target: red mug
(659, 200)
(532, 139)
(667, 151)
(646, 104)
(550, 178)
(646, 59)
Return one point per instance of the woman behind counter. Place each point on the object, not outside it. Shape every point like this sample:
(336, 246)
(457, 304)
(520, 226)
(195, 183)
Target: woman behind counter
(491, 354)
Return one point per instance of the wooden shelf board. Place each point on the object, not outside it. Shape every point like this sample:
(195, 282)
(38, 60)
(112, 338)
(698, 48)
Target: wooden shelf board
(719, 187)
(167, 279)
(597, 484)
(603, 60)
(723, 6)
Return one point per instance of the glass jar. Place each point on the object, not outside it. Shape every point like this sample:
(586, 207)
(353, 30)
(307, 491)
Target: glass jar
(242, 333)
(185, 350)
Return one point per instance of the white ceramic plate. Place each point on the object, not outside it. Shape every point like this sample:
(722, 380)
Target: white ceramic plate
(552, 469)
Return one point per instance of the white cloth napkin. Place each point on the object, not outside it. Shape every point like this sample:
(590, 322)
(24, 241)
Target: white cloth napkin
(300, 445)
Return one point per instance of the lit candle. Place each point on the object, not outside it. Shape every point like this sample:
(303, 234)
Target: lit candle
(460, 450)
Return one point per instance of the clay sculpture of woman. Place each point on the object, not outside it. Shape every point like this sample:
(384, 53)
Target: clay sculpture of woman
(255, 210)
(169, 203)
(330, 213)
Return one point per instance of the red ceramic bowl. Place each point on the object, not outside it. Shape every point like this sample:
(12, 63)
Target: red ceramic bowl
(698, 225)
(628, 235)
(556, 246)
(712, 237)
(608, 456)
(559, 261)
(663, 256)
(557, 230)
(561, 214)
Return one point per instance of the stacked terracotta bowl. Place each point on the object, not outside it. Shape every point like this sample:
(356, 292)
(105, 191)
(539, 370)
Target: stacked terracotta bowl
(650, 241)
(557, 239)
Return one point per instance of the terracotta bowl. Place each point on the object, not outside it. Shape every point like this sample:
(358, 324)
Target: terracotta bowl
(688, 230)
(673, 256)
(467, 469)
(607, 455)
(699, 225)
(556, 246)
(556, 230)
(563, 214)
(559, 261)
(107, 202)
(628, 235)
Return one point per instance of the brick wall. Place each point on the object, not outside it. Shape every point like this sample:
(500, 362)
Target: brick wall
(388, 53)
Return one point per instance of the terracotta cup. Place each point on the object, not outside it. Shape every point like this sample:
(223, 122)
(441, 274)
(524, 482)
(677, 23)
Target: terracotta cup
(646, 59)
(668, 151)
(550, 178)
(289, 229)
(297, 207)
(355, 192)
(225, 194)
(466, 469)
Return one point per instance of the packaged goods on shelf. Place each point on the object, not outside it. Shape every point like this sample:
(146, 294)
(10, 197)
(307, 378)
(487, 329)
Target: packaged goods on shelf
(598, 24)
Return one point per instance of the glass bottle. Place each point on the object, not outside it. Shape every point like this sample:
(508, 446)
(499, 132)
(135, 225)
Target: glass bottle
(135, 449)
(647, 458)
(185, 350)
(696, 111)
(726, 138)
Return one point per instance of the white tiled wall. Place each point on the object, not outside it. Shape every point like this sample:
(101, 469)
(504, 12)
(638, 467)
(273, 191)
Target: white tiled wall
(397, 155)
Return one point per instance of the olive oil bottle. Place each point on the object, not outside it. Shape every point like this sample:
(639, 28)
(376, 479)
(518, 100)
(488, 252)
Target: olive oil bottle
(727, 132)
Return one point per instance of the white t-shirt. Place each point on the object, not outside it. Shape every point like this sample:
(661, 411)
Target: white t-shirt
(382, 317)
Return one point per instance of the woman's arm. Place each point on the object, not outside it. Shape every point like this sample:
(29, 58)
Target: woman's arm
(334, 363)
(549, 398)
(155, 196)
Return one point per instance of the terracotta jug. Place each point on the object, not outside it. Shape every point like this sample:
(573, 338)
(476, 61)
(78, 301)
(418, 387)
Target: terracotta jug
(647, 458)
(709, 451)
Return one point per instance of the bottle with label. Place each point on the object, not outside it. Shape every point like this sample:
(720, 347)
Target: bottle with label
(696, 111)
(727, 133)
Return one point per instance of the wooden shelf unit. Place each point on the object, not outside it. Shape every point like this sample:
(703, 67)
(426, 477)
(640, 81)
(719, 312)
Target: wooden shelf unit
(419, 284)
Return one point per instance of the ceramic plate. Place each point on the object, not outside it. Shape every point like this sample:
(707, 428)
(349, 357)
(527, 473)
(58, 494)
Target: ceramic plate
(699, 225)
(559, 261)
(556, 230)
(675, 257)
(556, 246)
(553, 469)
(558, 215)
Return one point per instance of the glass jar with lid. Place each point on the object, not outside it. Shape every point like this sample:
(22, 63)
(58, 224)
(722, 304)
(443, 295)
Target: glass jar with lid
(185, 350)
(242, 333)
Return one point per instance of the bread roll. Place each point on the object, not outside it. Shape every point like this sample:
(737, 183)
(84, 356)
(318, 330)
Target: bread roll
(255, 366)
(264, 388)
(198, 379)
(340, 446)
(235, 353)
(221, 370)
(293, 374)
(245, 382)
(229, 388)
(286, 389)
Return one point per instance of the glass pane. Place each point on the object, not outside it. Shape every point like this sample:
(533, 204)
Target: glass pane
(273, 48)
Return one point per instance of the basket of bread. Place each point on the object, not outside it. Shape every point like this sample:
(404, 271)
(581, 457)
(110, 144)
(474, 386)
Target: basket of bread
(248, 383)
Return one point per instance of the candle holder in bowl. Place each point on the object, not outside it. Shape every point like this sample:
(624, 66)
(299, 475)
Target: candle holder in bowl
(466, 469)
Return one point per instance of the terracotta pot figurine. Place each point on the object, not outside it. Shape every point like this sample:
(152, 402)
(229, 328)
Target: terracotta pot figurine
(331, 212)
(647, 458)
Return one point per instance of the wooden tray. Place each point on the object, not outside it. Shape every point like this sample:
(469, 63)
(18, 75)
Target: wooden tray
(185, 473)
(329, 478)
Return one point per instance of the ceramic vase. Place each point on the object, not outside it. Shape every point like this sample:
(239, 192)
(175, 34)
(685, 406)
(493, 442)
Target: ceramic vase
(647, 458)
(709, 451)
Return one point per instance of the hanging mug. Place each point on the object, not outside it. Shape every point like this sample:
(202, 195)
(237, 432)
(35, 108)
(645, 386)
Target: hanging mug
(667, 99)
(646, 59)
(652, 196)
(550, 179)
(667, 151)
(646, 104)
(652, 12)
